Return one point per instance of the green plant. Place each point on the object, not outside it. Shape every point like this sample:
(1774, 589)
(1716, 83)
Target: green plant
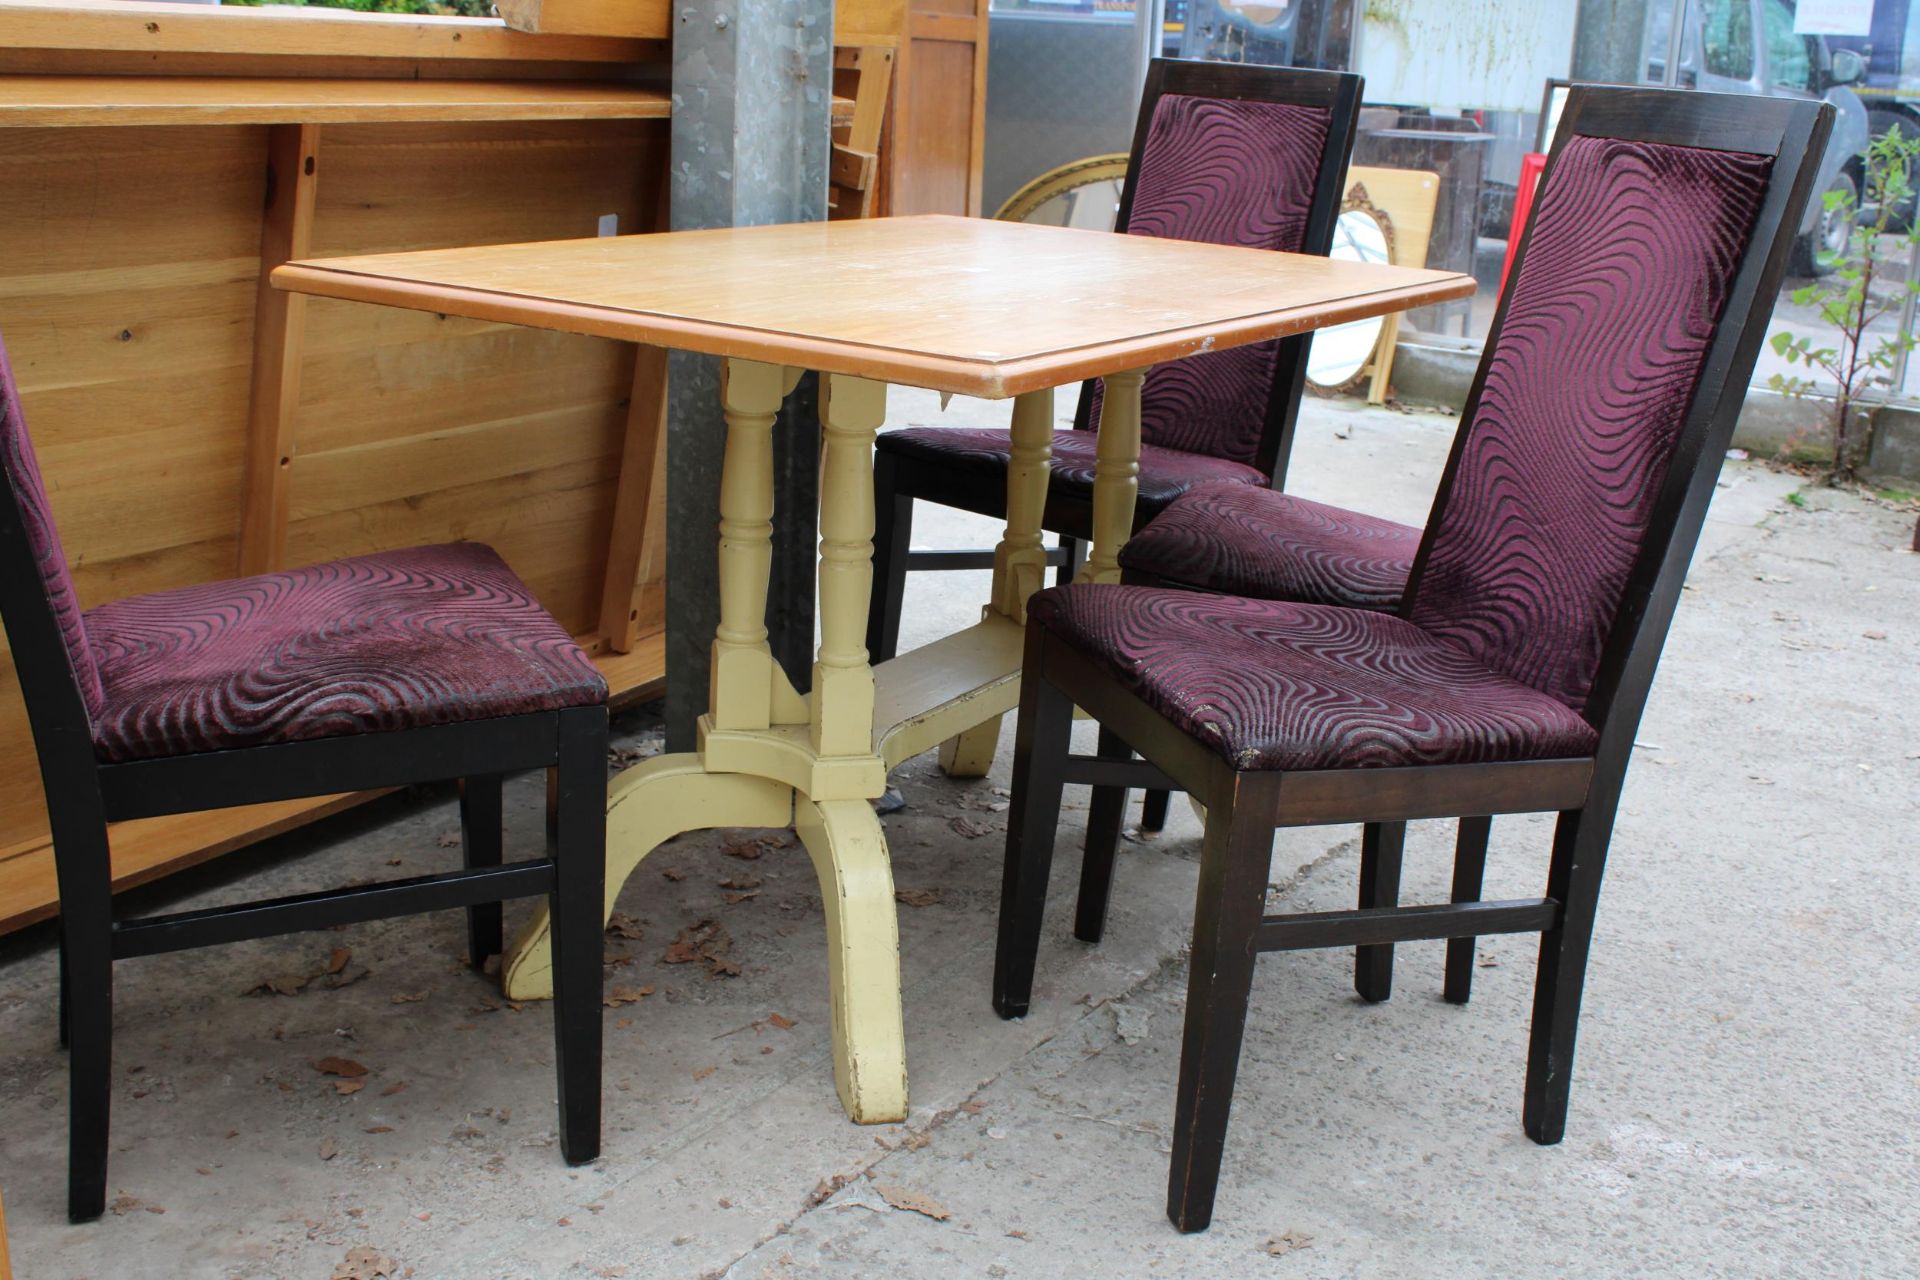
(443, 8)
(1849, 301)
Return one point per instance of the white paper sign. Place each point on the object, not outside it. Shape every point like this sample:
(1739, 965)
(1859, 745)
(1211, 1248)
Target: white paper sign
(1833, 18)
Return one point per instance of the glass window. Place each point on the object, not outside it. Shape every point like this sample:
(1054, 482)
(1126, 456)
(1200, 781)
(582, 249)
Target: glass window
(1789, 65)
(1726, 30)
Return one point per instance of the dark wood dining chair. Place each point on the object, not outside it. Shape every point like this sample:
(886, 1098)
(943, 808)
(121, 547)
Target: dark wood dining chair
(380, 671)
(1513, 675)
(1222, 152)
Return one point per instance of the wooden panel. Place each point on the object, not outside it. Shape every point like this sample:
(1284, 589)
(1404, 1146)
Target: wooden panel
(127, 297)
(639, 502)
(1032, 306)
(279, 328)
(939, 129)
(412, 428)
(162, 100)
(161, 28)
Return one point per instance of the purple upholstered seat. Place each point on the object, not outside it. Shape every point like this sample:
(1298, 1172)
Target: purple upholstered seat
(1273, 685)
(397, 640)
(1244, 541)
(1613, 309)
(1165, 474)
(1221, 171)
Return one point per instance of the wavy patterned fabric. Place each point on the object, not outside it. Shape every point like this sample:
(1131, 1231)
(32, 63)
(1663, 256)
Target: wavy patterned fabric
(1272, 685)
(398, 640)
(1164, 473)
(30, 499)
(1221, 171)
(1631, 252)
(1243, 541)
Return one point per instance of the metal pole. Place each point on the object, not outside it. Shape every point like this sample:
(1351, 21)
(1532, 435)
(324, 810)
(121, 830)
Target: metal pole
(752, 97)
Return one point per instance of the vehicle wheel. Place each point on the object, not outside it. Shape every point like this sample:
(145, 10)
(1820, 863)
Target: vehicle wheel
(1819, 251)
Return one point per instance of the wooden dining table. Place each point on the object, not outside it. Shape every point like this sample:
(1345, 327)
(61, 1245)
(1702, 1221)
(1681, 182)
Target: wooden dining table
(956, 305)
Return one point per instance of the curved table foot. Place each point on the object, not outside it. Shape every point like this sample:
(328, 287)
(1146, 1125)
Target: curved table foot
(849, 854)
(648, 805)
(969, 753)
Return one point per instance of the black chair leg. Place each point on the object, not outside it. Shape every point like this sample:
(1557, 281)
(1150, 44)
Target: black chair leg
(1039, 753)
(482, 840)
(1153, 810)
(1380, 848)
(1469, 867)
(577, 814)
(1579, 861)
(86, 927)
(1105, 813)
(1227, 910)
(1076, 556)
(892, 538)
(66, 1000)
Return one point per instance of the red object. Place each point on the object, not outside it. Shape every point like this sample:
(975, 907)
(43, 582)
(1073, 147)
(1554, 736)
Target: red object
(1531, 167)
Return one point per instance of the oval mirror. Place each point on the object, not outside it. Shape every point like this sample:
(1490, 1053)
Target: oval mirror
(1083, 194)
(1340, 354)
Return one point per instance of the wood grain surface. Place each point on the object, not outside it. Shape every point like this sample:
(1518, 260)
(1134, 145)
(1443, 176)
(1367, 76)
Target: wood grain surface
(955, 304)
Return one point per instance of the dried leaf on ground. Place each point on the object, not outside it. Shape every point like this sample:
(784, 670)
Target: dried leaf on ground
(346, 977)
(674, 874)
(627, 995)
(780, 1021)
(346, 1087)
(123, 1205)
(290, 984)
(408, 997)
(735, 899)
(362, 1263)
(746, 849)
(1287, 1242)
(962, 825)
(701, 1073)
(741, 882)
(448, 839)
(340, 1067)
(377, 1128)
(706, 942)
(338, 960)
(622, 925)
(824, 1189)
(329, 1148)
(916, 897)
(397, 1086)
(912, 1201)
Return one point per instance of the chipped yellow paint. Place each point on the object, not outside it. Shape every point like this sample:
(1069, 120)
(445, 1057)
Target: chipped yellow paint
(769, 758)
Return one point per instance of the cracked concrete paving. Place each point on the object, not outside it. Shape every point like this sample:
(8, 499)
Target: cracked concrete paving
(1745, 1104)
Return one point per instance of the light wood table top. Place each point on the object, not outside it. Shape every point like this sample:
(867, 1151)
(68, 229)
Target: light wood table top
(966, 305)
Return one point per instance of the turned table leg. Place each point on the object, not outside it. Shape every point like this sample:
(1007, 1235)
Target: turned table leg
(1019, 562)
(1116, 475)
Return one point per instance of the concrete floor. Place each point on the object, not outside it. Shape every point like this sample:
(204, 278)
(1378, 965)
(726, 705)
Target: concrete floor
(1746, 1101)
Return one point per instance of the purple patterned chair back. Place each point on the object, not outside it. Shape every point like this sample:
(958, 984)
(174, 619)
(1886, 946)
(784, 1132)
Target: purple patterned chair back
(1628, 262)
(29, 497)
(1222, 171)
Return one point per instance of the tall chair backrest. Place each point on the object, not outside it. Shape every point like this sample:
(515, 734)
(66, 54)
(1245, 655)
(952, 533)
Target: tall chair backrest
(1616, 365)
(45, 628)
(1230, 153)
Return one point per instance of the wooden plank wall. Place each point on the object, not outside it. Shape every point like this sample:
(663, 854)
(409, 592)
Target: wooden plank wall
(128, 298)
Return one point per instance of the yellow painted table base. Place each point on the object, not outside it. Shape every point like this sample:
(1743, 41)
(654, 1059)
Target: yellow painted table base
(769, 757)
